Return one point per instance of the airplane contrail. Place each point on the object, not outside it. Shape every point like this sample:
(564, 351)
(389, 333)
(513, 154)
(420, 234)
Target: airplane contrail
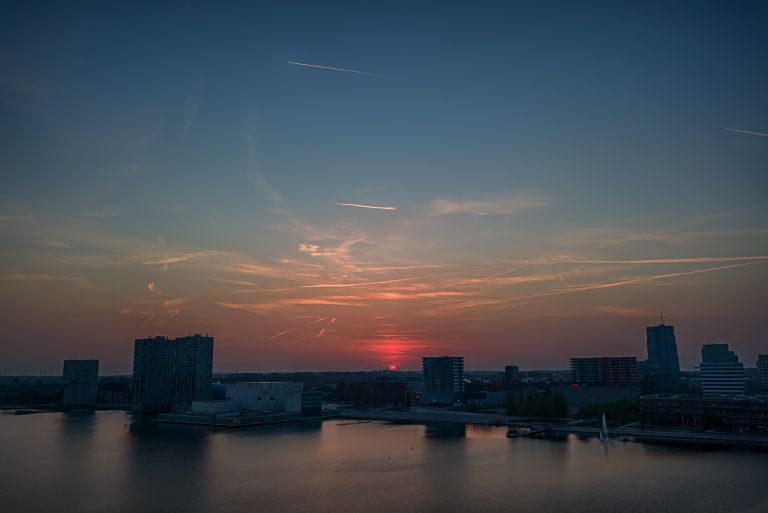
(282, 333)
(330, 68)
(357, 205)
(745, 131)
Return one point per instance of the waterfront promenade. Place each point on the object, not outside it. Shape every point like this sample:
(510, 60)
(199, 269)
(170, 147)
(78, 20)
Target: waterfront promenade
(557, 427)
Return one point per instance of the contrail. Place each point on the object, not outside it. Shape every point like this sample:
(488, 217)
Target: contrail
(357, 205)
(282, 333)
(745, 131)
(330, 68)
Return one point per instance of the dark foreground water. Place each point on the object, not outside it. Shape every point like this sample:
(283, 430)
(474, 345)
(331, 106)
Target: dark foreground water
(112, 462)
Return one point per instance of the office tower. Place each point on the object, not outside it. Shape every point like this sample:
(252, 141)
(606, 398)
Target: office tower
(721, 371)
(511, 373)
(762, 371)
(615, 371)
(443, 373)
(662, 350)
(81, 380)
(168, 374)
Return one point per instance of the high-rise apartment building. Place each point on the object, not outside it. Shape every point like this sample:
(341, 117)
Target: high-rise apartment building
(443, 373)
(762, 371)
(721, 371)
(168, 374)
(81, 379)
(615, 371)
(662, 350)
(511, 373)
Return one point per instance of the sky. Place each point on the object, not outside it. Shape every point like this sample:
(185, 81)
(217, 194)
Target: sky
(355, 185)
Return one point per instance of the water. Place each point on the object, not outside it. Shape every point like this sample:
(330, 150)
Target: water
(113, 462)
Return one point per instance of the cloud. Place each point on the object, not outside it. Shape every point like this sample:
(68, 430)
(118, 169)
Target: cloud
(152, 287)
(255, 174)
(57, 244)
(191, 108)
(496, 205)
(691, 260)
(746, 131)
(358, 205)
(345, 70)
(620, 310)
(643, 279)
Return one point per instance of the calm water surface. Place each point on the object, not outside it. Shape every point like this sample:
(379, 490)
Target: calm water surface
(113, 462)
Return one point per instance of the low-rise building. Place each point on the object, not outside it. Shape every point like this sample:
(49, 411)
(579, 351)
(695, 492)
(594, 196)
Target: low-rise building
(577, 395)
(264, 397)
(743, 413)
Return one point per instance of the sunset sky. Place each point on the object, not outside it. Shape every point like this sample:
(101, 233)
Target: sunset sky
(547, 178)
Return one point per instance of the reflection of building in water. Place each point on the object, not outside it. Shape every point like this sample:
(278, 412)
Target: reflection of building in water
(444, 430)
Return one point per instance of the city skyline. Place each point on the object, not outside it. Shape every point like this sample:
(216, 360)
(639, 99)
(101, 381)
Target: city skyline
(328, 193)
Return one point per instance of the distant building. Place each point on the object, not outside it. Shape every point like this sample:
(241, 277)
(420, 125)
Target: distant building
(168, 374)
(742, 413)
(721, 371)
(613, 371)
(443, 379)
(81, 380)
(372, 393)
(578, 396)
(511, 373)
(762, 371)
(443, 373)
(263, 397)
(662, 349)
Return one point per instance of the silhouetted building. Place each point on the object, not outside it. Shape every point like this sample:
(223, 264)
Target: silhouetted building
(614, 371)
(511, 373)
(662, 349)
(372, 393)
(741, 413)
(168, 374)
(762, 371)
(721, 371)
(660, 373)
(443, 373)
(443, 379)
(81, 381)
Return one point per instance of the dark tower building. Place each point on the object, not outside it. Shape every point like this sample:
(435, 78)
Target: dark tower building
(662, 349)
(168, 374)
(662, 369)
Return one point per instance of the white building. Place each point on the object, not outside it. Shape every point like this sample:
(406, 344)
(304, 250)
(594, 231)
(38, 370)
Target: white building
(266, 396)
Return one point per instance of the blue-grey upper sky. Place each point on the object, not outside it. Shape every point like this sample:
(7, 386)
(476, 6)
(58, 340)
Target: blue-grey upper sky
(555, 174)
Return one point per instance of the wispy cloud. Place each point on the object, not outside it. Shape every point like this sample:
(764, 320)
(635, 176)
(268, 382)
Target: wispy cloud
(495, 205)
(746, 131)
(631, 312)
(331, 68)
(359, 205)
(256, 175)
